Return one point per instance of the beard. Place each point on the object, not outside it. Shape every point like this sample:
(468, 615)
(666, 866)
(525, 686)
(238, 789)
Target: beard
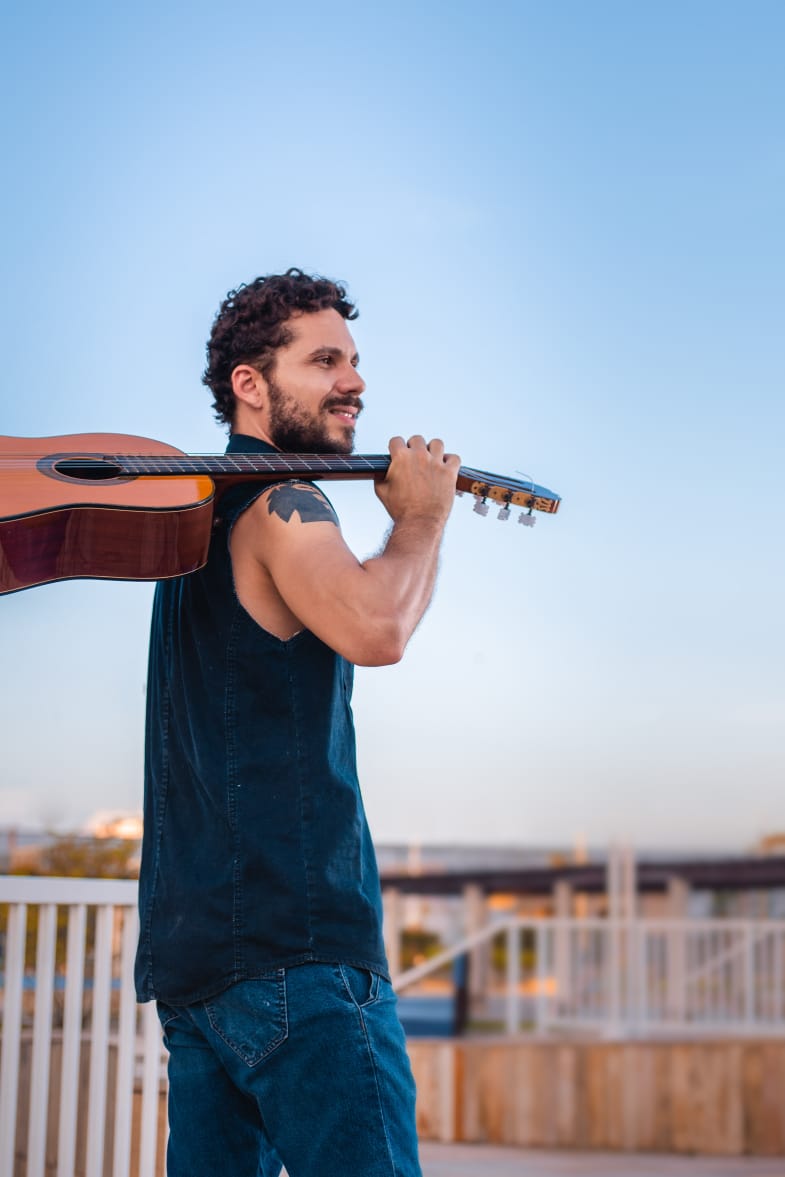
(294, 430)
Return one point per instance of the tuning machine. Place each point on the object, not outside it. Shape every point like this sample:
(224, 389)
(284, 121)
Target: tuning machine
(526, 518)
(481, 505)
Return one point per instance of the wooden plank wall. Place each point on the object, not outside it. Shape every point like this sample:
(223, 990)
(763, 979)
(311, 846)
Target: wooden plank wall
(720, 1098)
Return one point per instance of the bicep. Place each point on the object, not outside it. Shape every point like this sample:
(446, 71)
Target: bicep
(298, 541)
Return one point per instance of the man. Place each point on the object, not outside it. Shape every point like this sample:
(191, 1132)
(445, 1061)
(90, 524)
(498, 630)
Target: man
(259, 894)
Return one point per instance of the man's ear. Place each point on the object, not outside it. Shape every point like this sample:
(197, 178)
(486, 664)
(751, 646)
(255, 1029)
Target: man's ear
(249, 386)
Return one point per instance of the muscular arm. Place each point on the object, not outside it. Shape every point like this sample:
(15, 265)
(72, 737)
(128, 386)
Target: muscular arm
(290, 547)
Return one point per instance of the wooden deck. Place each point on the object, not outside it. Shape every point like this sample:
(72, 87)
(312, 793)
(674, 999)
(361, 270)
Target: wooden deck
(468, 1160)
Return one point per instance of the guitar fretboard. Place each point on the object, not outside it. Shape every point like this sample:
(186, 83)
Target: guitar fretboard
(214, 465)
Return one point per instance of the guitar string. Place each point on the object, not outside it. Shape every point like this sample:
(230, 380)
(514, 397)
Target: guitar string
(193, 466)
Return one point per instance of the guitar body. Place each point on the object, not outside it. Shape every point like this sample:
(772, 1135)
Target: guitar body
(56, 525)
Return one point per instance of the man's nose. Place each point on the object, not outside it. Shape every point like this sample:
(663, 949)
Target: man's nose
(351, 381)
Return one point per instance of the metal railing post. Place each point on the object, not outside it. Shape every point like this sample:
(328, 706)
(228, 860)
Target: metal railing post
(151, 1089)
(541, 997)
(99, 1041)
(126, 1049)
(72, 1039)
(613, 964)
(42, 1038)
(749, 975)
(12, 1033)
(513, 976)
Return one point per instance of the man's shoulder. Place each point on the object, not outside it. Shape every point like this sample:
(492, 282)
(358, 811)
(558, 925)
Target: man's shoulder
(272, 526)
(286, 500)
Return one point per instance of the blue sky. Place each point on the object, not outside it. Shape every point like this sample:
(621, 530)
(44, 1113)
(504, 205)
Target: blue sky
(563, 225)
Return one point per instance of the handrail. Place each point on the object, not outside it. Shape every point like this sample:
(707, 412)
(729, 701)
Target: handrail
(627, 991)
(434, 963)
(641, 925)
(35, 889)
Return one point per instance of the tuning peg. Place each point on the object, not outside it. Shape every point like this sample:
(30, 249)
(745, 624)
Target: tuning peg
(504, 513)
(526, 518)
(480, 505)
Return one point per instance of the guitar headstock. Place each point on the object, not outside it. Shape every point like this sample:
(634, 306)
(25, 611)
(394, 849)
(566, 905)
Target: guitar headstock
(508, 493)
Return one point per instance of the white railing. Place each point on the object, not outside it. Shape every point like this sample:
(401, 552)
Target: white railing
(81, 1069)
(75, 1046)
(626, 977)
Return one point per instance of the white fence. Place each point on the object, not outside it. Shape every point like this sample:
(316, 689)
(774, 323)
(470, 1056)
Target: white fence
(81, 1070)
(67, 996)
(626, 978)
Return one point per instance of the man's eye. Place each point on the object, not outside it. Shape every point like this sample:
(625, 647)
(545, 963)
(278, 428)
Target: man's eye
(325, 360)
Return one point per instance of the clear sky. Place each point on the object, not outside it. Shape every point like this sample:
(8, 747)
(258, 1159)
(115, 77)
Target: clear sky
(563, 225)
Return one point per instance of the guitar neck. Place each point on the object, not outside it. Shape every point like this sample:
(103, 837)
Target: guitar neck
(225, 469)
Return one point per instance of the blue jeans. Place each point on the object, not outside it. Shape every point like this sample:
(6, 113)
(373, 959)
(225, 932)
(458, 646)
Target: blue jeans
(304, 1067)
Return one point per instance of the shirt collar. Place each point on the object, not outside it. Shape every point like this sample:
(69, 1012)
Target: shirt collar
(243, 443)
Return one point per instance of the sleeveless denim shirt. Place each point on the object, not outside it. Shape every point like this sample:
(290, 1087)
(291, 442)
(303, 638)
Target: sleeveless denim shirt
(256, 852)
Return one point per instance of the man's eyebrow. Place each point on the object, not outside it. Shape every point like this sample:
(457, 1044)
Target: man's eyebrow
(331, 351)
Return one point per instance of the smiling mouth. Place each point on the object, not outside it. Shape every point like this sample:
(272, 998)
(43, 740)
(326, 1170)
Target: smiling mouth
(346, 414)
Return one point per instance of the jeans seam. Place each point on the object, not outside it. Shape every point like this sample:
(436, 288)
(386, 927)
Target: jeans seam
(305, 804)
(379, 1099)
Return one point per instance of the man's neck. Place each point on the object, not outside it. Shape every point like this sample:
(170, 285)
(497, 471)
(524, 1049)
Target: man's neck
(248, 443)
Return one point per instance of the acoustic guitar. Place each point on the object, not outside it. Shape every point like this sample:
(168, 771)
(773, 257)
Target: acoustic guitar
(110, 506)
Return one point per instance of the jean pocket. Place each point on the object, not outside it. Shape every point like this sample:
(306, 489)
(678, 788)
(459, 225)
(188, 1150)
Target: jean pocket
(251, 1016)
(362, 985)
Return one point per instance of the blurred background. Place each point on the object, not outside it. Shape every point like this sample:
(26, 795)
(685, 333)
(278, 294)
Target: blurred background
(562, 225)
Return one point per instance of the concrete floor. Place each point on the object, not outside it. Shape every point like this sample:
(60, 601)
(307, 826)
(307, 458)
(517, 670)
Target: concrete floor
(468, 1160)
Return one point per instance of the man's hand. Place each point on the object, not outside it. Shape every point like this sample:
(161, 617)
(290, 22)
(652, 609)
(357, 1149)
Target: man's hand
(420, 482)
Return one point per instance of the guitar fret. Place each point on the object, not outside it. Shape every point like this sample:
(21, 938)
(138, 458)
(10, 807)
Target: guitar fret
(269, 465)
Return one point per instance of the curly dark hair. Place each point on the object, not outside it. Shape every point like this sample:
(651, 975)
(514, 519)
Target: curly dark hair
(251, 325)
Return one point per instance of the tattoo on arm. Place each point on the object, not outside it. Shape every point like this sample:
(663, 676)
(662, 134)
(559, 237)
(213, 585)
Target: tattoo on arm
(309, 503)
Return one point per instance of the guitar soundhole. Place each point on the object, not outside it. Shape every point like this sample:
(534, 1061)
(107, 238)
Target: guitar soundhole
(82, 468)
(92, 468)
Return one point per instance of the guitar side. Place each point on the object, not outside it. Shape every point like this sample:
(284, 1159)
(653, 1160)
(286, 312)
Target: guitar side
(113, 529)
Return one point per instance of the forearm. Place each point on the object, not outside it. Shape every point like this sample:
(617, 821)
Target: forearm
(399, 584)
